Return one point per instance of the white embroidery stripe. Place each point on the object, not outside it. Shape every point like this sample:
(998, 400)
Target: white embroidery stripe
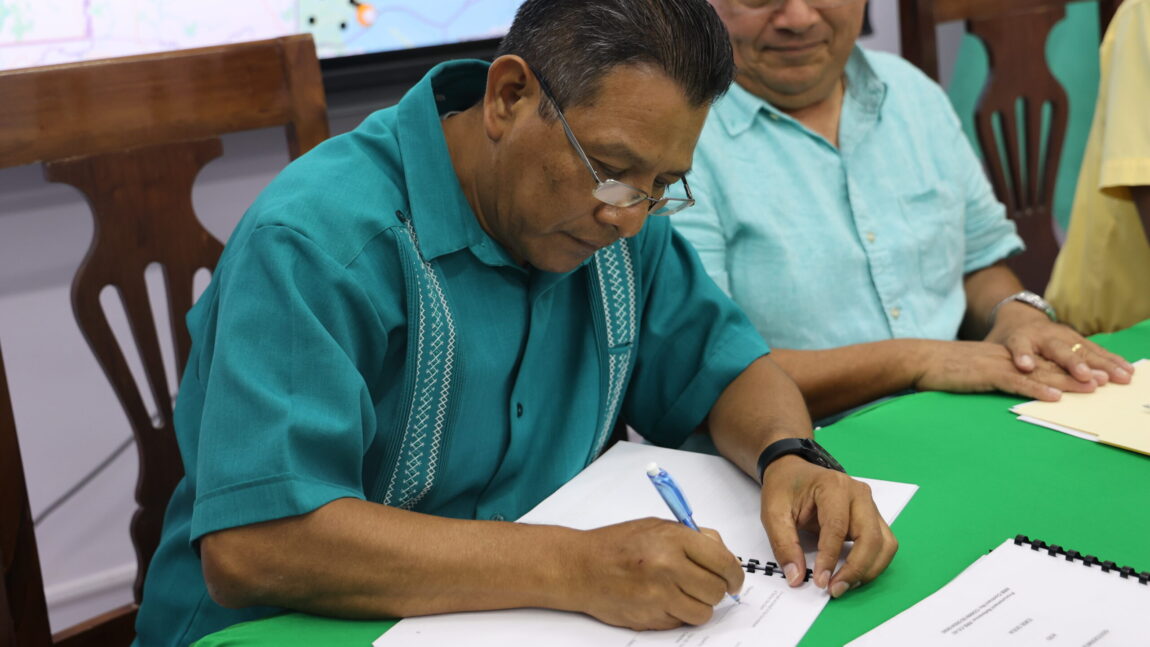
(608, 288)
(616, 277)
(629, 286)
(408, 429)
(617, 369)
(418, 459)
(439, 424)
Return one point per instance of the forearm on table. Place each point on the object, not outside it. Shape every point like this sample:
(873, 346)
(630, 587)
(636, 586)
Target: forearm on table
(837, 379)
(356, 559)
(760, 406)
(985, 289)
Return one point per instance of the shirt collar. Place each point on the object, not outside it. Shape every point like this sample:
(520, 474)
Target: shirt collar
(864, 87)
(443, 218)
(738, 110)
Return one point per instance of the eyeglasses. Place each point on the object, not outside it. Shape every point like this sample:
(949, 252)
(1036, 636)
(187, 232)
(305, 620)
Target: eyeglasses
(774, 5)
(614, 192)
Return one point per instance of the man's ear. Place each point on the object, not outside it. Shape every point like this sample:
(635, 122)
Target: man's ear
(511, 91)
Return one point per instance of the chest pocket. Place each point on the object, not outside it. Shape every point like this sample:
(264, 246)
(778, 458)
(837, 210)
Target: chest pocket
(937, 218)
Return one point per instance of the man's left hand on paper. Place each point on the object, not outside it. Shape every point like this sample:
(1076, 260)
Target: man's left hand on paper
(800, 495)
(1031, 337)
(761, 406)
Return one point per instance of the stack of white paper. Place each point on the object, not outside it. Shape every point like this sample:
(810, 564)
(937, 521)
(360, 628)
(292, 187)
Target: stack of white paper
(615, 488)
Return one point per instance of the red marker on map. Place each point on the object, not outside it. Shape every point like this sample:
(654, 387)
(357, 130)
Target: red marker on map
(365, 14)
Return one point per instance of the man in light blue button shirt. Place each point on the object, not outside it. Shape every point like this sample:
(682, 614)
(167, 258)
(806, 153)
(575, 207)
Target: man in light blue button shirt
(843, 209)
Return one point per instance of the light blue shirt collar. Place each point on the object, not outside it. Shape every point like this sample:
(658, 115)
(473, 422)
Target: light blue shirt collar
(865, 95)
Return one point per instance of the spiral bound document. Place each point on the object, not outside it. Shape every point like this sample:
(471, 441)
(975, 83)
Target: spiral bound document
(1027, 592)
(615, 488)
(770, 569)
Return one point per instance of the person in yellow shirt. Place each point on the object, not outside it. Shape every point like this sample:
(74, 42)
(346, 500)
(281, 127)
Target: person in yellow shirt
(1101, 280)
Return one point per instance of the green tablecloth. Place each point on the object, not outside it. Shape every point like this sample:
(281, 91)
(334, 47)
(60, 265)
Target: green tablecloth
(983, 477)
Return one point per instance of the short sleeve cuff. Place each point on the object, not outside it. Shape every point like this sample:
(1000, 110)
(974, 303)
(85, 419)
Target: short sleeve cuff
(727, 361)
(1005, 247)
(267, 499)
(1124, 172)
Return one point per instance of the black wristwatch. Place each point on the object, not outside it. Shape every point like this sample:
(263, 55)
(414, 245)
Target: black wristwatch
(805, 448)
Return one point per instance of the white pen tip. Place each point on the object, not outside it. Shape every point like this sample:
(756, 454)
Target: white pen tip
(652, 469)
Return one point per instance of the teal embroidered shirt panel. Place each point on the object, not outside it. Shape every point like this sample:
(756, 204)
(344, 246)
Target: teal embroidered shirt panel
(826, 246)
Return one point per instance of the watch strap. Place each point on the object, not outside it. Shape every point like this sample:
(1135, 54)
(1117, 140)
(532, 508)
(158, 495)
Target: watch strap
(805, 448)
(1029, 298)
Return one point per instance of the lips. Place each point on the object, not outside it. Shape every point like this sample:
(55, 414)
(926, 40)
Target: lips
(793, 48)
(591, 245)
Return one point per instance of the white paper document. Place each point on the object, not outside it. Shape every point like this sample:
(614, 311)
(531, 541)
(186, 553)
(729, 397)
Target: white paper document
(1017, 595)
(615, 488)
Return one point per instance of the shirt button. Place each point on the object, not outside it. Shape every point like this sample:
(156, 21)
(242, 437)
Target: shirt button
(497, 517)
(774, 117)
(870, 237)
(519, 410)
(896, 312)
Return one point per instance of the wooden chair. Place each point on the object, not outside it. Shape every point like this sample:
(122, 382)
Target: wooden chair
(1022, 158)
(132, 134)
(23, 612)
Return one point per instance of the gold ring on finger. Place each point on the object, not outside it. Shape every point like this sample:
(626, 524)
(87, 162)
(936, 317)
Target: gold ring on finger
(1076, 347)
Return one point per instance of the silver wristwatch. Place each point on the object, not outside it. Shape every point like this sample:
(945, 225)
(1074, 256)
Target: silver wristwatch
(1029, 298)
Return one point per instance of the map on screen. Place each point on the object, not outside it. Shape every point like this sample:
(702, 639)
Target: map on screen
(44, 32)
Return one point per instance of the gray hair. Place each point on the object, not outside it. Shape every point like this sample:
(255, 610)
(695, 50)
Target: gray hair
(573, 43)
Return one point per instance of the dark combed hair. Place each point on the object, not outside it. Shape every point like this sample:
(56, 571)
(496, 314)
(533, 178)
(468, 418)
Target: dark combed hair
(573, 43)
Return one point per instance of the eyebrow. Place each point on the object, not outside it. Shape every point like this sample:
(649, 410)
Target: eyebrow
(630, 157)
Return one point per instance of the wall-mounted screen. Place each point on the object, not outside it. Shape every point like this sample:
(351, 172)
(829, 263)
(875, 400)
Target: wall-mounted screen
(43, 32)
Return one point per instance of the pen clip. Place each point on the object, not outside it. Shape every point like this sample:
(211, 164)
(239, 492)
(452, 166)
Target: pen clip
(674, 497)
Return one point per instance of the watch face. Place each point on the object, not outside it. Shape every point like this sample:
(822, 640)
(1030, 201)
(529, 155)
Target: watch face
(1036, 301)
(1032, 299)
(823, 458)
(804, 448)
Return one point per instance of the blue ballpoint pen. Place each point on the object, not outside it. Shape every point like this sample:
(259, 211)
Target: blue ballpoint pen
(671, 493)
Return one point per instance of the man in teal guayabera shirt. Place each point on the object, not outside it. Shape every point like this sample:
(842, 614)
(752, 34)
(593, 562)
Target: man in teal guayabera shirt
(842, 207)
(424, 327)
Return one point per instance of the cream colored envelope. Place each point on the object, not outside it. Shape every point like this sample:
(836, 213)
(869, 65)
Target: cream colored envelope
(1115, 414)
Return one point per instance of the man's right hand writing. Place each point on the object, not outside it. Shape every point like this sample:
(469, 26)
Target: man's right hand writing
(652, 574)
(642, 574)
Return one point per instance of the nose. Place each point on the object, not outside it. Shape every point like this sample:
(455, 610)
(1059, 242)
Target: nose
(626, 220)
(796, 16)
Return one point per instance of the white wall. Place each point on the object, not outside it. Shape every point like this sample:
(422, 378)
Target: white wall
(67, 416)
